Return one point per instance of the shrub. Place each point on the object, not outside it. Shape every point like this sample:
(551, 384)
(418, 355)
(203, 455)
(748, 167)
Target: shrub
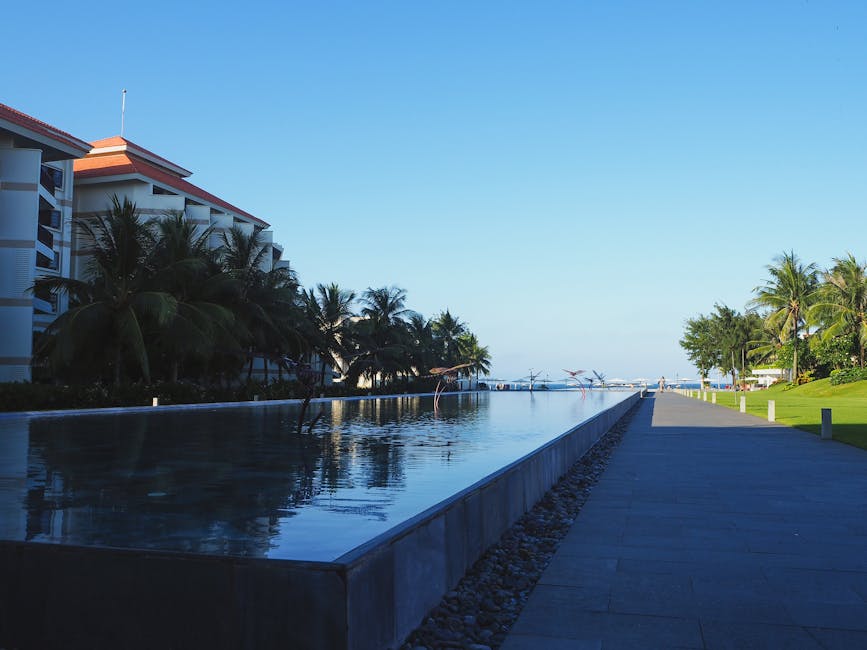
(848, 375)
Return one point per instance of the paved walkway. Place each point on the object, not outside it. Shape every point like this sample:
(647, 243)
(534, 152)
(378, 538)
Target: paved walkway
(710, 529)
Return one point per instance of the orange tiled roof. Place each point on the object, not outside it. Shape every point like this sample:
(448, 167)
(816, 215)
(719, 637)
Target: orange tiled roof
(17, 117)
(133, 148)
(117, 164)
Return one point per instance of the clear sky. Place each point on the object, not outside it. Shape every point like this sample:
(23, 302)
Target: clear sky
(572, 179)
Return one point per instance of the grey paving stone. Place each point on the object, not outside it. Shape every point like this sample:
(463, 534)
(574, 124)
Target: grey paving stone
(745, 636)
(828, 615)
(839, 639)
(535, 642)
(711, 520)
(615, 630)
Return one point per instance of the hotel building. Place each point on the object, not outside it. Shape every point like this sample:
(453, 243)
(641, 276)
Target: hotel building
(39, 202)
(36, 194)
(116, 166)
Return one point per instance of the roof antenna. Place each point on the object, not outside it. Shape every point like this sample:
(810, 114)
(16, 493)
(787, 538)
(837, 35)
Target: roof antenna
(122, 110)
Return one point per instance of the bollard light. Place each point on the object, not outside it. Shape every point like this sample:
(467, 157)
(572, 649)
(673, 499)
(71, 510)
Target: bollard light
(772, 411)
(827, 433)
(156, 401)
(713, 398)
(743, 404)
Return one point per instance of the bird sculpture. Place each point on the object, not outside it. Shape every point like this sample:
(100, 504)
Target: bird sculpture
(573, 376)
(446, 376)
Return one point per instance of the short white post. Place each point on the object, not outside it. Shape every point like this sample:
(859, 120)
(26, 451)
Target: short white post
(713, 398)
(743, 404)
(255, 398)
(156, 401)
(772, 411)
(827, 433)
(704, 396)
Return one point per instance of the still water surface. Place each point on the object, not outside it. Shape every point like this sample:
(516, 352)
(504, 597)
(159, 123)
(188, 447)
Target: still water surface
(240, 481)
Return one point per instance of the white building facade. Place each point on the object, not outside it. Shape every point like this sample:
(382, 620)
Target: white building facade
(117, 166)
(36, 196)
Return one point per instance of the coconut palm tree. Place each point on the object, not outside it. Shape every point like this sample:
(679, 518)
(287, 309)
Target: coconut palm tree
(186, 267)
(476, 355)
(380, 337)
(267, 319)
(422, 355)
(328, 310)
(447, 330)
(110, 309)
(787, 295)
(841, 305)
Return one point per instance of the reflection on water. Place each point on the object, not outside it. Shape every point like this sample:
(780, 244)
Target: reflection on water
(240, 481)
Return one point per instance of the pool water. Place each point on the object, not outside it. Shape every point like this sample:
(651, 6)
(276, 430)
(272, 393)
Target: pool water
(240, 481)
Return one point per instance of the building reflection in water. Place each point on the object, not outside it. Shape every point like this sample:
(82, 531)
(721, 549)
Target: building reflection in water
(221, 481)
(241, 481)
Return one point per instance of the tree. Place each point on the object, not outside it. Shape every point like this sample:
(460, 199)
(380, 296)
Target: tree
(381, 337)
(841, 304)
(476, 355)
(787, 295)
(447, 330)
(109, 310)
(186, 268)
(733, 334)
(700, 344)
(329, 309)
(421, 354)
(266, 304)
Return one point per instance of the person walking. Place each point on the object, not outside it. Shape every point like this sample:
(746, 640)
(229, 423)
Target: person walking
(662, 384)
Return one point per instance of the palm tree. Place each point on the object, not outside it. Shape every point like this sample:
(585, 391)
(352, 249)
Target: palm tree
(421, 352)
(787, 295)
(476, 355)
(381, 337)
(274, 317)
(109, 310)
(329, 309)
(186, 268)
(447, 329)
(841, 304)
(266, 306)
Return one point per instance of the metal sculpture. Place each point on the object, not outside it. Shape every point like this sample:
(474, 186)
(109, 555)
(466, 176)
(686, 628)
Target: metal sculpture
(446, 376)
(600, 377)
(308, 378)
(573, 376)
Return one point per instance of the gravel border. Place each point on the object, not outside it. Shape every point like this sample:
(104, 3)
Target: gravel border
(480, 611)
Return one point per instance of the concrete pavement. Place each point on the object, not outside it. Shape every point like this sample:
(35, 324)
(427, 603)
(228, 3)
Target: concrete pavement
(710, 529)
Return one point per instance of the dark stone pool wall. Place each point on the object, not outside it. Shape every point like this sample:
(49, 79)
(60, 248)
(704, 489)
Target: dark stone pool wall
(57, 596)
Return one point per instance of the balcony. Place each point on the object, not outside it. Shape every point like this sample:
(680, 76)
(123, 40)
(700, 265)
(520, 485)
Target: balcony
(51, 263)
(44, 244)
(50, 219)
(45, 301)
(50, 178)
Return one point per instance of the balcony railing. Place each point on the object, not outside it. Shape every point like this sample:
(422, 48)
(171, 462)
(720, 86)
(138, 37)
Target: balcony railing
(45, 262)
(50, 178)
(50, 219)
(45, 301)
(45, 237)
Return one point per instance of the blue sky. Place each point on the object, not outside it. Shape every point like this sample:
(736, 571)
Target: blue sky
(572, 179)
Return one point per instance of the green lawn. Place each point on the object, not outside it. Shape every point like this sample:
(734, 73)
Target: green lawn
(802, 407)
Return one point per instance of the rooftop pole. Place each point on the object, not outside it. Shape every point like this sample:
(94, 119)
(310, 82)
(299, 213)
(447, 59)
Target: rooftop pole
(122, 110)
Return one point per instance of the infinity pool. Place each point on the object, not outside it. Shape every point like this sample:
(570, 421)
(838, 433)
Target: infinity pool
(240, 482)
